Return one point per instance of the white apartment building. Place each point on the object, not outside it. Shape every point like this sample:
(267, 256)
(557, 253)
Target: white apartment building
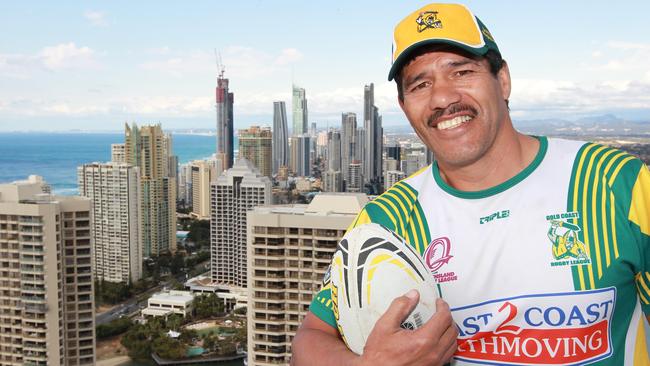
(234, 193)
(115, 191)
(47, 312)
(289, 250)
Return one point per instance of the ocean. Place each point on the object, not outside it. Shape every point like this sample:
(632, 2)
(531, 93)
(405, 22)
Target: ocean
(56, 156)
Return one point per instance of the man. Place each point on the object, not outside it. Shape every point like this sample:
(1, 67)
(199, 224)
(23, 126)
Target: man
(493, 196)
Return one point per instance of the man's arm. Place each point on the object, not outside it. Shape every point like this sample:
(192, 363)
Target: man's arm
(317, 343)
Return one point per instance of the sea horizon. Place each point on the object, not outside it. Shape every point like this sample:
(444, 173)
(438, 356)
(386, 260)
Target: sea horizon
(56, 155)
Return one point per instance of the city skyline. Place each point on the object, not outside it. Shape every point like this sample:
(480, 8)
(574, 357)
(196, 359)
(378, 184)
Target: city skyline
(95, 66)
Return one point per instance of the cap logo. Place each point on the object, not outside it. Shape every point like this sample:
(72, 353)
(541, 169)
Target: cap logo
(428, 20)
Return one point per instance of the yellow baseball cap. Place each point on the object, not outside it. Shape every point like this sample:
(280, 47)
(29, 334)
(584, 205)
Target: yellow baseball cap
(452, 24)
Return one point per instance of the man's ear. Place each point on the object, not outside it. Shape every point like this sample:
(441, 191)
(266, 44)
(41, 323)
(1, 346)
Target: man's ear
(504, 80)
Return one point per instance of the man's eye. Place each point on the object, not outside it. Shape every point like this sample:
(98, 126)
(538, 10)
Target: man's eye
(463, 72)
(419, 86)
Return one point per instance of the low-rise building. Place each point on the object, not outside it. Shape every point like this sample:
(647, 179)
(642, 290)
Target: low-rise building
(169, 302)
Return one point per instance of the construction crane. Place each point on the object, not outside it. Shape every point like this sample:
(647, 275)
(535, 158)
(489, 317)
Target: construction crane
(221, 69)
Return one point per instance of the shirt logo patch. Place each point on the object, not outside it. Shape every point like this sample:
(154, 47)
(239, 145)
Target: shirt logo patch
(438, 254)
(567, 248)
(571, 328)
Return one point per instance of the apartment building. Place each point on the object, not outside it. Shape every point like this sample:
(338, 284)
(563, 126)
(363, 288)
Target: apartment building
(115, 191)
(289, 250)
(47, 310)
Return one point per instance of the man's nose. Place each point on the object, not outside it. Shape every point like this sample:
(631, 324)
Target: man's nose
(443, 94)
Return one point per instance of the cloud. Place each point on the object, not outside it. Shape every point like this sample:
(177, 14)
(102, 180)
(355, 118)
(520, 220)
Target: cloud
(621, 59)
(96, 18)
(64, 56)
(552, 98)
(288, 56)
(68, 56)
(240, 62)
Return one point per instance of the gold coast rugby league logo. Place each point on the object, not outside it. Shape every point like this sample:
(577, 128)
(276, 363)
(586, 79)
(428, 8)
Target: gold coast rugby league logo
(564, 234)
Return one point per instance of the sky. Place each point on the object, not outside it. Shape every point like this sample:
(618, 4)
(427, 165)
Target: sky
(90, 65)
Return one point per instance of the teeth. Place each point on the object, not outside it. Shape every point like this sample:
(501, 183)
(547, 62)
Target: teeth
(454, 122)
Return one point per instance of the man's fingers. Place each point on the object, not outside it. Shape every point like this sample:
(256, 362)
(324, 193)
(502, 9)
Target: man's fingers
(439, 322)
(399, 309)
(449, 342)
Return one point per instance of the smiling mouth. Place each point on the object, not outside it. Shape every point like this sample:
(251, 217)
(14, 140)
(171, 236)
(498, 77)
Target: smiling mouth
(454, 122)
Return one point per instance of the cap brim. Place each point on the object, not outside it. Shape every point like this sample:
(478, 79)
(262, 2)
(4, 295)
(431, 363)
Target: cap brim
(410, 50)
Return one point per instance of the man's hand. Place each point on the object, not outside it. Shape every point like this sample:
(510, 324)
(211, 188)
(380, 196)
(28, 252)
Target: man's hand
(316, 343)
(432, 344)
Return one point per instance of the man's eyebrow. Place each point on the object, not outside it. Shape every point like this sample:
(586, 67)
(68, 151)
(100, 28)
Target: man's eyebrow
(411, 79)
(458, 63)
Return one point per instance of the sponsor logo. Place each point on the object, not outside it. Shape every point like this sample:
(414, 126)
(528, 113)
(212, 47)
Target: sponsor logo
(438, 254)
(567, 249)
(428, 20)
(571, 328)
(497, 215)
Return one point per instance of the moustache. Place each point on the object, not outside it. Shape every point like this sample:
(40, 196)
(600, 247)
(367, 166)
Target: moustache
(455, 108)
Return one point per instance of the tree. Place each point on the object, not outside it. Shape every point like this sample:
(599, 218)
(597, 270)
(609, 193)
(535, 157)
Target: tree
(168, 348)
(199, 233)
(207, 306)
(115, 327)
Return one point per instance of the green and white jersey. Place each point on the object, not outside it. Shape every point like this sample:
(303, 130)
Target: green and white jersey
(549, 268)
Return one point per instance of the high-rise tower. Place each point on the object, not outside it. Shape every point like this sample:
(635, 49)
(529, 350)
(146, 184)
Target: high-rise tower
(148, 148)
(372, 160)
(235, 192)
(334, 150)
(280, 137)
(115, 193)
(299, 162)
(299, 111)
(224, 99)
(255, 145)
(348, 141)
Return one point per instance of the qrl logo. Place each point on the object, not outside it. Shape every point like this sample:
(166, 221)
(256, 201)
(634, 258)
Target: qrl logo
(437, 254)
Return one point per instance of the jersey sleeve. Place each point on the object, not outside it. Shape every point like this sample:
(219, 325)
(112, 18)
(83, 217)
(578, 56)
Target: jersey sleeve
(639, 218)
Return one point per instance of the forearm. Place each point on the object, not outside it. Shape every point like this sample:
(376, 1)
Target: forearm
(314, 348)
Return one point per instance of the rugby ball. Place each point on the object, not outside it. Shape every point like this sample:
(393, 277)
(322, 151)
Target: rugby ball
(370, 268)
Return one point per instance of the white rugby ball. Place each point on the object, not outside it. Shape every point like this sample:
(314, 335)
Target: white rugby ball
(370, 268)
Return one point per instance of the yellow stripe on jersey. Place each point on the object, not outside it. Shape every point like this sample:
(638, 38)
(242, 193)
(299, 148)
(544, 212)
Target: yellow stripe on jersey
(603, 215)
(594, 211)
(395, 212)
(399, 189)
(386, 211)
(640, 347)
(577, 181)
(618, 169)
(640, 204)
(643, 289)
(585, 220)
(612, 205)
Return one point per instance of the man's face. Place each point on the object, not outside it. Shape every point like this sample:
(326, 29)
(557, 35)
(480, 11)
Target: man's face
(456, 106)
